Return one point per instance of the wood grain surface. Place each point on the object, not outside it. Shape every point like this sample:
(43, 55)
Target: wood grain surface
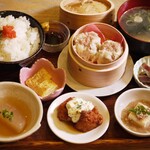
(115, 138)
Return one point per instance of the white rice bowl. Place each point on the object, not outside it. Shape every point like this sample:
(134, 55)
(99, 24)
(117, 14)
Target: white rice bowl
(24, 45)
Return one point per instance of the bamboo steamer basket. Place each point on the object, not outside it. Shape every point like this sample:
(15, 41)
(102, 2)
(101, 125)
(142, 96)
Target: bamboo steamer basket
(99, 75)
(75, 20)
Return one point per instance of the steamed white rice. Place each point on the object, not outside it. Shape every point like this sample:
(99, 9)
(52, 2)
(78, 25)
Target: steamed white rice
(24, 45)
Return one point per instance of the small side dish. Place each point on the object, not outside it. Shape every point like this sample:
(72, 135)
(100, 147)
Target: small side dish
(136, 116)
(82, 114)
(46, 80)
(57, 36)
(132, 111)
(144, 75)
(141, 72)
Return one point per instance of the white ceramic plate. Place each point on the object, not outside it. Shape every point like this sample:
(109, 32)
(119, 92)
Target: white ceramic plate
(124, 99)
(65, 131)
(104, 91)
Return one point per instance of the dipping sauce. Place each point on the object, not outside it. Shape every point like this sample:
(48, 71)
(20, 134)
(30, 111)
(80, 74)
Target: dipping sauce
(136, 22)
(54, 38)
(88, 7)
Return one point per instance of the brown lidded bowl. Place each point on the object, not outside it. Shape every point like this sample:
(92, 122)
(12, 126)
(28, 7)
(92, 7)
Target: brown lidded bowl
(74, 20)
(98, 75)
(136, 22)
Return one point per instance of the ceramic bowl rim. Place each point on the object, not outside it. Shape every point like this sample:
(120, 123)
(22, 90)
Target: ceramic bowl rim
(134, 72)
(37, 124)
(125, 52)
(68, 35)
(138, 134)
(119, 18)
(112, 6)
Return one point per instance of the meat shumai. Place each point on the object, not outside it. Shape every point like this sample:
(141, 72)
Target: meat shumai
(97, 55)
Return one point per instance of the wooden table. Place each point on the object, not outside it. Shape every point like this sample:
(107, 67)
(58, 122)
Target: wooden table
(114, 138)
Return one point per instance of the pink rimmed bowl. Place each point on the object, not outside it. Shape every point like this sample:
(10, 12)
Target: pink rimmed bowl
(58, 75)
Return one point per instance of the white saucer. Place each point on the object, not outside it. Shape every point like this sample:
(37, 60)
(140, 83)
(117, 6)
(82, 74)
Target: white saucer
(65, 131)
(104, 91)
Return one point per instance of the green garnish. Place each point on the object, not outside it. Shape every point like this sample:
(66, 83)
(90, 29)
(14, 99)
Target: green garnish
(7, 114)
(140, 110)
(79, 105)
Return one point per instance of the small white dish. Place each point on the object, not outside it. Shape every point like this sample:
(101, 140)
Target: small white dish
(137, 69)
(124, 99)
(104, 91)
(65, 131)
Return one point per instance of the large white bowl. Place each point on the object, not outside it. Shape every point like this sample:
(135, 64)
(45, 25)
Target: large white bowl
(27, 96)
(124, 99)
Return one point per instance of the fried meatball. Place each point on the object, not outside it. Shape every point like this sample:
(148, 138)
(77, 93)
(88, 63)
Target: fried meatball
(62, 112)
(89, 120)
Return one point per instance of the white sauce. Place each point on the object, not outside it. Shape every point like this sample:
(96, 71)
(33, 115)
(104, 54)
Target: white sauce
(76, 106)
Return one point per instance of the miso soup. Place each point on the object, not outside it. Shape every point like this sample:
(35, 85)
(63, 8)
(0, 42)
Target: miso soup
(136, 22)
(14, 117)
